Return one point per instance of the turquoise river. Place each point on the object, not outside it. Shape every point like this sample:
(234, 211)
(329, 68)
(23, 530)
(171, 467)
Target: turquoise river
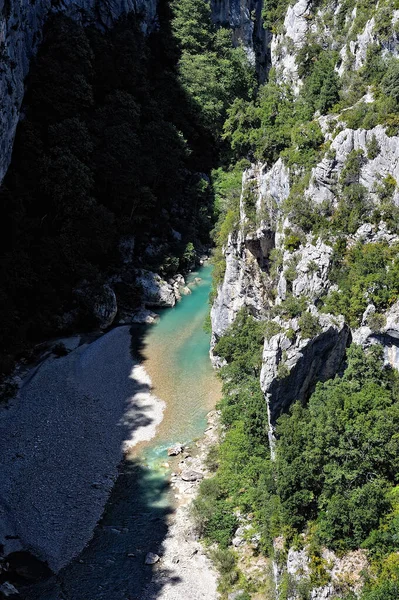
(175, 353)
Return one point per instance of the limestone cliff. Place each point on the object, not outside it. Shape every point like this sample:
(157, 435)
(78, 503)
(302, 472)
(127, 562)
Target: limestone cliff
(244, 17)
(272, 260)
(304, 271)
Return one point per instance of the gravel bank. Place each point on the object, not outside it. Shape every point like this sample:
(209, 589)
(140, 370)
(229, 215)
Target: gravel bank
(61, 441)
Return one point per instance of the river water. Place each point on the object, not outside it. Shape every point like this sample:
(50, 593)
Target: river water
(175, 354)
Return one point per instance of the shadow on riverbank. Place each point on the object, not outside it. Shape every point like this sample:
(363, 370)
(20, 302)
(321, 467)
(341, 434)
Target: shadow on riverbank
(112, 566)
(134, 522)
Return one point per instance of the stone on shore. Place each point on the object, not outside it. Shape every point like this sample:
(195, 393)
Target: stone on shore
(175, 450)
(7, 590)
(151, 559)
(190, 475)
(144, 316)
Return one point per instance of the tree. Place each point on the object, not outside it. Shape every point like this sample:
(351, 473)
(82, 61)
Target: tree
(390, 81)
(192, 25)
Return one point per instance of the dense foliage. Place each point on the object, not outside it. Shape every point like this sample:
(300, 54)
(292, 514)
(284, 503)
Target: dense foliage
(335, 476)
(337, 459)
(212, 71)
(367, 273)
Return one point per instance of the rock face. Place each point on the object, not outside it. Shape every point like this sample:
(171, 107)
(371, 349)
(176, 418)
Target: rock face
(247, 250)
(244, 17)
(21, 25)
(291, 368)
(242, 285)
(285, 45)
(155, 290)
(275, 267)
(347, 568)
(325, 175)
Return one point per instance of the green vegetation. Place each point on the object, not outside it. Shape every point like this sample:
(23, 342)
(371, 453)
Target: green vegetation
(373, 148)
(324, 472)
(368, 274)
(335, 476)
(212, 72)
(337, 467)
(309, 325)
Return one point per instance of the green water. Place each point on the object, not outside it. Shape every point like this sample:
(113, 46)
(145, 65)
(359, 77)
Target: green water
(137, 517)
(176, 356)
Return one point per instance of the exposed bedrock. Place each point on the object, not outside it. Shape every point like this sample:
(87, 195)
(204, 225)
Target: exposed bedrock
(244, 17)
(291, 369)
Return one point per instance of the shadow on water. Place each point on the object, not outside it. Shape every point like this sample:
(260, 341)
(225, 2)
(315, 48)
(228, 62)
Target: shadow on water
(112, 566)
(134, 523)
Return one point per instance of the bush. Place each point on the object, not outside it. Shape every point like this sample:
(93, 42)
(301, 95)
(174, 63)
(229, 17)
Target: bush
(309, 325)
(292, 242)
(369, 275)
(373, 148)
(390, 81)
(271, 328)
(292, 306)
(376, 321)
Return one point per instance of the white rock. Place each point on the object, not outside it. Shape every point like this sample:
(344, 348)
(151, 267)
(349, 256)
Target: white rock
(175, 450)
(155, 290)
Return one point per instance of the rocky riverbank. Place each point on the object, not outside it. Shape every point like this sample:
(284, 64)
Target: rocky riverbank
(183, 569)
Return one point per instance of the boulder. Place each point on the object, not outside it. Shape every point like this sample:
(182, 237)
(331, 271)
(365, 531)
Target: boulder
(144, 316)
(7, 590)
(99, 302)
(190, 475)
(175, 450)
(236, 595)
(105, 306)
(155, 290)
